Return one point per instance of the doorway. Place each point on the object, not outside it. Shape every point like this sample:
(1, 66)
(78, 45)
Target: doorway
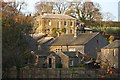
(50, 63)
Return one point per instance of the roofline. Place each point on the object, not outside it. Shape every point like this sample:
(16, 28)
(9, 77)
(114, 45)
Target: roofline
(77, 44)
(67, 45)
(72, 18)
(58, 18)
(92, 37)
(110, 48)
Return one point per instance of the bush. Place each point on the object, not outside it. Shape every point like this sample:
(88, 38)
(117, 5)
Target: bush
(82, 65)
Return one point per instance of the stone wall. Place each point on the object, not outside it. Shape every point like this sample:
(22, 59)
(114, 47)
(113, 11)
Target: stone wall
(57, 73)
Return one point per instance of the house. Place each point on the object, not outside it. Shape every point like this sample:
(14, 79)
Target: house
(109, 54)
(53, 60)
(39, 51)
(67, 45)
(64, 60)
(47, 23)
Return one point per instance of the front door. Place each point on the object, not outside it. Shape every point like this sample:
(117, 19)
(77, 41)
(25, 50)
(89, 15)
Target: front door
(50, 63)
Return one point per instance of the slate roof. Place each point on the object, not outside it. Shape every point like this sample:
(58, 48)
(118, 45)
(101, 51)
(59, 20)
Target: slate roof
(57, 16)
(45, 40)
(32, 43)
(114, 44)
(53, 54)
(69, 39)
(39, 36)
(71, 54)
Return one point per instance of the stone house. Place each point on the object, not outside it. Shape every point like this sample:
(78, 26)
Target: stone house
(39, 51)
(53, 61)
(109, 55)
(63, 60)
(84, 43)
(46, 23)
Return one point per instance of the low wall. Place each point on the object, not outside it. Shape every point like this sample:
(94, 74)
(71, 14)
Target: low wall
(56, 73)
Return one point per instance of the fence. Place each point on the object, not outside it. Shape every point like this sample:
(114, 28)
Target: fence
(56, 73)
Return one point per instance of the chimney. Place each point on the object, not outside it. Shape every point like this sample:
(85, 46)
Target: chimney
(75, 34)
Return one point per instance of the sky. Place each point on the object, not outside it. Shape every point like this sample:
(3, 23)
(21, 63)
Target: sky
(110, 6)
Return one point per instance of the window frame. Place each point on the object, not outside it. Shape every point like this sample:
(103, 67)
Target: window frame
(65, 23)
(71, 23)
(71, 63)
(49, 22)
(114, 54)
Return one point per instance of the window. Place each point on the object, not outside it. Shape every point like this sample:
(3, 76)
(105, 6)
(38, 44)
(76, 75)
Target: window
(66, 31)
(114, 52)
(71, 23)
(50, 22)
(71, 62)
(59, 24)
(65, 23)
(72, 49)
(44, 21)
(97, 41)
(39, 47)
(38, 23)
(58, 50)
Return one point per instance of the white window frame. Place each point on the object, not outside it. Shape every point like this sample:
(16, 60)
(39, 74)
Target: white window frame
(114, 52)
(66, 31)
(59, 24)
(66, 23)
(72, 23)
(50, 22)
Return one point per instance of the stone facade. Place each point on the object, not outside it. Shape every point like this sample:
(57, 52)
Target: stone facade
(109, 57)
(67, 48)
(60, 22)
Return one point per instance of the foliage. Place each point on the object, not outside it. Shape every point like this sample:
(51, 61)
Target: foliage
(81, 10)
(111, 38)
(15, 26)
(85, 11)
(54, 32)
(82, 65)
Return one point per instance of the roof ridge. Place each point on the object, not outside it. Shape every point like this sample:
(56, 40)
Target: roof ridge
(92, 37)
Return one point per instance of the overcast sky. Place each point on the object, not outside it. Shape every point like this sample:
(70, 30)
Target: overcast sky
(106, 6)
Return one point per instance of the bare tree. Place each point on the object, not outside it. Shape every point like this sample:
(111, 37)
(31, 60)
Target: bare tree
(61, 7)
(107, 16)
(85, 11)
(46, 6)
